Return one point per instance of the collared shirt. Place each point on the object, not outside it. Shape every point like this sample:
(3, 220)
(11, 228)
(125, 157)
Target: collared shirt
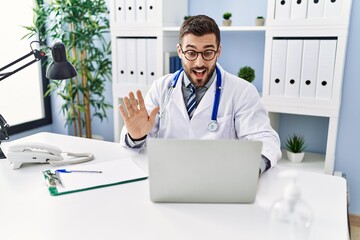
(200, 92)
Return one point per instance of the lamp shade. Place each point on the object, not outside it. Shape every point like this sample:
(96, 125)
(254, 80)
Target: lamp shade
(60, 68)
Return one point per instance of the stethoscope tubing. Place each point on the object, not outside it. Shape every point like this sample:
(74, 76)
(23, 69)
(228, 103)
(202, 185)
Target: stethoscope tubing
(216, 98)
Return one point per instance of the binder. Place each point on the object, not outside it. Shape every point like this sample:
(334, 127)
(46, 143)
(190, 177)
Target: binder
(151, 60)
(151, 9)
(120, 11)
(121, 60)
(298, 9)
(278, 65)
(282, 9)
(141, 57)
(332, 9)
(325, 75)
(309, 68)
(140, 11)
(131, 60)
(112, 173)
(316, 9)
(293, 68)
(130, 11)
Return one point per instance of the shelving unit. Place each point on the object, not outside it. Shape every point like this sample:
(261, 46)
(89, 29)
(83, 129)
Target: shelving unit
(305, 50)
(138, 36)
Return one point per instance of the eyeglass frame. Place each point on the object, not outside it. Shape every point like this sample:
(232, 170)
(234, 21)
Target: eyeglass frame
(201, 53)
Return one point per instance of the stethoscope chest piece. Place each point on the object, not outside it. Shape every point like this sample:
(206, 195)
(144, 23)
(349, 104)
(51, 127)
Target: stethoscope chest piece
(212, 126)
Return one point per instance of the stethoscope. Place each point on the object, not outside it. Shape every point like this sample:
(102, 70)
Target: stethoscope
(212, 125)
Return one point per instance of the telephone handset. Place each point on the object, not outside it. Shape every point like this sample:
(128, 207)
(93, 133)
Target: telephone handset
(34, 152)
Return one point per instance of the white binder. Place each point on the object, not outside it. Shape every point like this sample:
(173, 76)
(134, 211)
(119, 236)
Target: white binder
(316, 9)
(293, 68)
(151, 60)
(325, 74)
(120, 11)
(151, 9)
(278, 66)
(282, 9)
(141, 57)
(309, 68)
(131, 60)
(130, 11)
(298, 9)
(332, 9)
(121, 60)
(140, 11)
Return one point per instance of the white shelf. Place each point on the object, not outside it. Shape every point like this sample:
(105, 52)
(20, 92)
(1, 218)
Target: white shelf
(312, 162)
(225, 29)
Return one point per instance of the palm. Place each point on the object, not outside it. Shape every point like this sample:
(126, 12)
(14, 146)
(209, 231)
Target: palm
(137, 120)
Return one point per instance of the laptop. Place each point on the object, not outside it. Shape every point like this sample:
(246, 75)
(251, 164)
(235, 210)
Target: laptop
(203, 171)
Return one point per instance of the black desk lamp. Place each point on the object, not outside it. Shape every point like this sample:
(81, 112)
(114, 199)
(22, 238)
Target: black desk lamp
(59, 69)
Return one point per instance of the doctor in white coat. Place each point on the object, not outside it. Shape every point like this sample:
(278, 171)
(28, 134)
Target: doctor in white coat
(223, 107)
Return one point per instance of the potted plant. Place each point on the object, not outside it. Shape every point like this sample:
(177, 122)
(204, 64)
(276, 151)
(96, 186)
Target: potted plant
(259, 21)
(80, 25)
(247, 73)
(226, 19)
(186, 17)
(295, 146)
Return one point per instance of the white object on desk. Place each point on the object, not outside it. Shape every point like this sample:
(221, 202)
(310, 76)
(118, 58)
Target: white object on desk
(126, 212)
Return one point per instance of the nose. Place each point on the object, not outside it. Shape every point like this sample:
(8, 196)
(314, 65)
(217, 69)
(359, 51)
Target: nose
(199, 61)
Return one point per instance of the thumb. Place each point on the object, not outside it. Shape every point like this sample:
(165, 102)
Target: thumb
(153, 114)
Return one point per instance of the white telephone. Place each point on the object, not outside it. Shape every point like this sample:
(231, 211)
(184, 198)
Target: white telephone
(33, 152)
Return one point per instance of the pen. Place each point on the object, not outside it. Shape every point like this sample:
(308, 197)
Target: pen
(72, 171)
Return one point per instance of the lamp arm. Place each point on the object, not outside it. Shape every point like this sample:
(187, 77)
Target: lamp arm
(3, 129)
(36, 53)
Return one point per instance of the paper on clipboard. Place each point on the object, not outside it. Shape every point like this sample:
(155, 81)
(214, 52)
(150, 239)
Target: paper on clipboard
(114, 172)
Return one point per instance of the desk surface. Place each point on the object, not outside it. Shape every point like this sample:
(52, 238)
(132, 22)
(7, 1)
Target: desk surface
(27, 211)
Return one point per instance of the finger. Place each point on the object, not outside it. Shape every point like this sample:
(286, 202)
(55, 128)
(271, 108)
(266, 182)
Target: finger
(123, 113)
(133, 101)
(140, 99)
(128, 106)
(153, 114)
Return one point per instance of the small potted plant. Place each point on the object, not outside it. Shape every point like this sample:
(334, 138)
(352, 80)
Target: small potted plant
(226, 19)
(295, 146)
(247, 73)
(186, 17)
(259, 21)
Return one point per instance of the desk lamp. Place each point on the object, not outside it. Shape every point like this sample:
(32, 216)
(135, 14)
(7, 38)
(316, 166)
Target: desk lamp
(59, 69)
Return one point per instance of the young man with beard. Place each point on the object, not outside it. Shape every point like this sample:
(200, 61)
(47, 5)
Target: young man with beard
(201, 101)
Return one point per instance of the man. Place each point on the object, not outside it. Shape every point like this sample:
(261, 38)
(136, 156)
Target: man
(203, 101)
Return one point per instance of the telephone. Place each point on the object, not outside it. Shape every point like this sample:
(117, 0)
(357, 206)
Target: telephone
(34, 152)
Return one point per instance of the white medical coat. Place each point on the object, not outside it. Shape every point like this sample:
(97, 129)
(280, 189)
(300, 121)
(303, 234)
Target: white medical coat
(240, 115)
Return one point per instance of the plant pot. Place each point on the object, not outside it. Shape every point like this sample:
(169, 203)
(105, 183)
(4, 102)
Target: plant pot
(259, 22)
(295, 157)
(226, 22)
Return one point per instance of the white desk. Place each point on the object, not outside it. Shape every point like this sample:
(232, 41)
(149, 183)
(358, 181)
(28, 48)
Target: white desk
(27, 211)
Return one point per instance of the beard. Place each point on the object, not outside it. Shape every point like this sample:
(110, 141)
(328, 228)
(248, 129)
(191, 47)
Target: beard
(199, 76)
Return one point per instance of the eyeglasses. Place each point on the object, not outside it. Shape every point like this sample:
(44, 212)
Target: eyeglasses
(192, 55)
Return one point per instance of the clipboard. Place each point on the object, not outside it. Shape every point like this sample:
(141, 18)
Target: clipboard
(115, 172)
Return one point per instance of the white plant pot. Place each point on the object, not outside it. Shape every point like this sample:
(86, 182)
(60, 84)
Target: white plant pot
(295, 157)
(259, 22)
(227, 22)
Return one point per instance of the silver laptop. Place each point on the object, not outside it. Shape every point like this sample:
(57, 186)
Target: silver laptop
(203, 171)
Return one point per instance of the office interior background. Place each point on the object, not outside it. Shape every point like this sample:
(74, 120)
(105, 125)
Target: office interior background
(247, 48)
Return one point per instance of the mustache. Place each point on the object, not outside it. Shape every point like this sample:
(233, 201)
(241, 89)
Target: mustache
(199, 68)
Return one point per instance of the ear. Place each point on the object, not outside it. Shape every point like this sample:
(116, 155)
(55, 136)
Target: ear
(179, 50)
(219, 51)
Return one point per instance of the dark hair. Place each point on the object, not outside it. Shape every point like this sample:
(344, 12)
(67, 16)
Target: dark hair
(199, 25)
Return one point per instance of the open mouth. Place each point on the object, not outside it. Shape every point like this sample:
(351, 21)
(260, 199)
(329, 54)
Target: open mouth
(199, 72)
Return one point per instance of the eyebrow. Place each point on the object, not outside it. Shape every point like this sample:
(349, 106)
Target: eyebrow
(206, 46)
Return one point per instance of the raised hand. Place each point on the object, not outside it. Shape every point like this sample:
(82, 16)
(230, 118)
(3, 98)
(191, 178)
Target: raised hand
(136, 118)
